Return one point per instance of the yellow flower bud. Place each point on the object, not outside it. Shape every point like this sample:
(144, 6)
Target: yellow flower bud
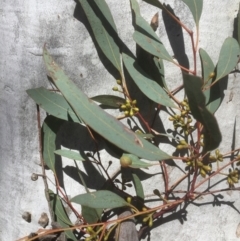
(125, 161)
(115, 88)
(119, 82)
(134, 102)
(202, 172)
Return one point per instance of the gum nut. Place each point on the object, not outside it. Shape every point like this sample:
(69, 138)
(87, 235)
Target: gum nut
(27, 217)
(43, 220)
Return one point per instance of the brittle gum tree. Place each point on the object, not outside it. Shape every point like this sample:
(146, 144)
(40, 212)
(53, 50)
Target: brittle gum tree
(131, 134)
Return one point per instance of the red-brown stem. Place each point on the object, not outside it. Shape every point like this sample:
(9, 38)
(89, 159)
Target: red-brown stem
(177, 20)
(194, 54)
(210, 192)
(65, 198)
(145, 123)
(165, 176)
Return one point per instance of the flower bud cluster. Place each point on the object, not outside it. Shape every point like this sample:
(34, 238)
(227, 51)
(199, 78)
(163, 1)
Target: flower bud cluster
(130, 108)
(218, 156)
(184, 120)
(233, 177)
(203, 168)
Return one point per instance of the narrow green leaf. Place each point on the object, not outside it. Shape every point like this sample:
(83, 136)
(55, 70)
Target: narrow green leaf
(207, 65)
(100, 121)
(103, 27)
(138, 186)
(50, 128)
(100, 199)
(213, 95)
(136, 162)
(228, 57)
(69, 154)
(193, 88)
(148, 86)
(53, 103)
(109, 100)
(152, 46)
(141, 24)
(207, 68)
(60, 214)
(91, 215)
(195, 7)
(155, 3)
(153, 66)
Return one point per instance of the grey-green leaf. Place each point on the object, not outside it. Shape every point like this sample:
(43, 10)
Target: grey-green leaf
(50, 128)
(148, 86)
(53, 103)
(207, 69)
(60, 214)
(152, 46)
(141, 24)
(91, 215)
(138, 186)
(228, 58)
(100, 121)
(103, 28)
(195, 7)
(193, 88)
(69, 154)
(100, 199)
(109, 100)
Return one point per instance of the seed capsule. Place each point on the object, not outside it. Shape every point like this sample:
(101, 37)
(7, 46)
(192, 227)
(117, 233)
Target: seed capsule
(43, 220)
(27, 216)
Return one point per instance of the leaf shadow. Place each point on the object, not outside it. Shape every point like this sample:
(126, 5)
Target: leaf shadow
(175, 36)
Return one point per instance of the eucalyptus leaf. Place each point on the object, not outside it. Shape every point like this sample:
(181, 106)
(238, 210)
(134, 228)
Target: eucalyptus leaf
(148, 86)
(100, 199)
(153, 66)
(195, 7)
(100, 121)
(228, 58)
(138, 186)
(109, 100)
(60, 214)
(141, 24)
(69, 154)
(51, 126)
(196, 99)
(152, 46)
(53, 103)
(207, 70)
(104, 29)
(91, 215)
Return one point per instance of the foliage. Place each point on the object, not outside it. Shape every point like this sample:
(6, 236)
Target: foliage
(195, 131)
